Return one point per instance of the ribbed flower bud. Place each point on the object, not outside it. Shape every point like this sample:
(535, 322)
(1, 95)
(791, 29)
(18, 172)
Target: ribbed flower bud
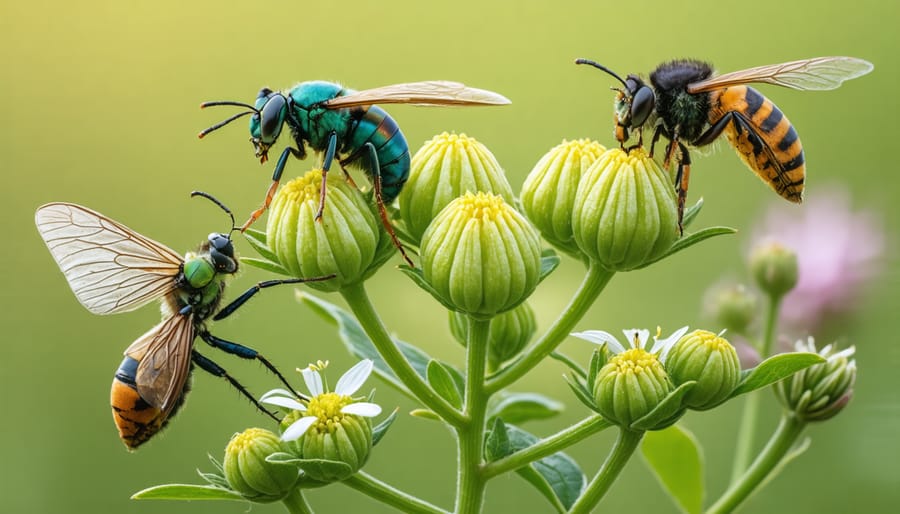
(508, 335)
(775, 268)
(334, 436)
(625, 213)
(708, 359)
(630, 386)
(732, 306)
(348, 241)
(481, 256)
(248, 472)
(445, 168)
(548, 194)
(819, 392)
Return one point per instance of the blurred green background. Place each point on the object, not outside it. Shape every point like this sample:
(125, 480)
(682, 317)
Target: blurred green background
(100, 101)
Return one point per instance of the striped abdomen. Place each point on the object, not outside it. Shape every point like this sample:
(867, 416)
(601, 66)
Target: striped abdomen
(136, 419)
(763, 137)
(371, 124)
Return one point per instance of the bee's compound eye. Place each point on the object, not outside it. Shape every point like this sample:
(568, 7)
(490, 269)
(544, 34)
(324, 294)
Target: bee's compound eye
(642, 105)
(271, 118)
(221, 250)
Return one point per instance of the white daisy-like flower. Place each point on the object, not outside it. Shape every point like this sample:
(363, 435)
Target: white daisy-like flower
(635, 338)
(324, 407)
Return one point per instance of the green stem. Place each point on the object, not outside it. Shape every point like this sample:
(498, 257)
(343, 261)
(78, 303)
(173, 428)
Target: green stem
(747, 428)
(594, 282)
(471, 480)
(389, 495)
(789, 429)
(295, 502)
(547, 446)
(615, 462)
(358, 300)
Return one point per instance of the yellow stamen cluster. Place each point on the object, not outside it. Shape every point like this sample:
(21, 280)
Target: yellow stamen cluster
(327, 408)
(304, 188)
(636, 361)
(483, 207)
(245, 440)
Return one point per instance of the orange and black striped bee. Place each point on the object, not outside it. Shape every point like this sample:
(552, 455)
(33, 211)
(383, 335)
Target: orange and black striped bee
(113, 269)
(689, 106)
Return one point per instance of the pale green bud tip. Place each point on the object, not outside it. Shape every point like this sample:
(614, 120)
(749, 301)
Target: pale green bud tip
(625, 213)
(774, 267)
(708, 359)
(733, 306)
(443, 169)
(548, 194)
(248, 472)
(334, 435)
(821, 391)
(630, 386)
(509, 332)
(480, 255)
(348, 240)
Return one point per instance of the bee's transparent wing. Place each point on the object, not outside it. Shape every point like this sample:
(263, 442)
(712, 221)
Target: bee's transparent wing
(433, 92)
(110, 267)
(819, 73)
(164, 356)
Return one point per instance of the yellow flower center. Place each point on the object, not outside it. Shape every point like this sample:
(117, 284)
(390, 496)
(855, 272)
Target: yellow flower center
(456, 141)
(240, 442)
(304, 188)
(636, 361)
(327, 408)
(712, 341)
(582, 148)
(482, 206)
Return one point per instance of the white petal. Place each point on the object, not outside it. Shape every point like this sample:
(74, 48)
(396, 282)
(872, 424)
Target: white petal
(365, 409)
(353, 379)
(313, 381)
(642, 334)
(277, 392)
(283, 401)
(664, 345)
(298, 428)
(600, 337)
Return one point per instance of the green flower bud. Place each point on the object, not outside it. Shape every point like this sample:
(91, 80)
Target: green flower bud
(732, 306)
(335, 436)
(708, 359)
(443, 169)
(775, 269)
(481, 256)
(548, 194)
(819, 392)
(348, 241)
(248, 472)
(630, 386)
(508, 335)
(625, 213)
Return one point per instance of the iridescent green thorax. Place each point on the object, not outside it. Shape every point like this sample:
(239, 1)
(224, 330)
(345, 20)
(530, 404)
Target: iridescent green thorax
(310, 119)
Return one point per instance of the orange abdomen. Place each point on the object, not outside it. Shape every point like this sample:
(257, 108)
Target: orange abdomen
(763, 137)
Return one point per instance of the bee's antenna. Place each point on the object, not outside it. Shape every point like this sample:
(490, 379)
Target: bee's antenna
(602, 68)
(214, 200)
(204, 105)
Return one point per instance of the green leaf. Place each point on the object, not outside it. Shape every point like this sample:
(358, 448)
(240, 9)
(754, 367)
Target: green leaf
(497, 446)
(774, 369)
(257, 240)
(419, 279)
(359, 344)
(691, 213)
(692, 239)
(425, 414)
(557, 477)
(549, 262)
(265, 265)
(583, 394)
(598, 360)
(521, 407)
(675, 458)
(667, 411)
(319, 467)
(574, 366)
(380, 429)
(213, 479)
(440, 379)
(186, 492)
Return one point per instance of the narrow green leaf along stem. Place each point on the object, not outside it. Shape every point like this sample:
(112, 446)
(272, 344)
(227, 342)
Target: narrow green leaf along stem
(389, 495)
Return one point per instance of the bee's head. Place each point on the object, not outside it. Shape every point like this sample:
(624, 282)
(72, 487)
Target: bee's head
(221, 248)
(634, 103)
(266, 123)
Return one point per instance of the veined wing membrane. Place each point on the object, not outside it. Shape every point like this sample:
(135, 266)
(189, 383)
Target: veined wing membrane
(434, 92)
(109, 267)
(819, 73)
(164, 353)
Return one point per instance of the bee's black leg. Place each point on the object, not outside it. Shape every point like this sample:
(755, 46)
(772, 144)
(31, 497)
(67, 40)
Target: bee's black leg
(241, 300)
(326, 165)
(376, 185)
(657, 132)
(243, 352)
(682, 177)
(214, 369)
(276, 179)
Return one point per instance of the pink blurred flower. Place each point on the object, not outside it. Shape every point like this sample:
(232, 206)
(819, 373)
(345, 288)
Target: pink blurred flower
(839, 252)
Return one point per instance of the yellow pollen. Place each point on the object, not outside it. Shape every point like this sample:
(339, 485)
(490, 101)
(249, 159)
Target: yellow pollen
(305, 188)
(245, 439)
(712, 341)
(457, 141)
(584, 147)
(636, 361)
(327, 407)
(482, 206)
